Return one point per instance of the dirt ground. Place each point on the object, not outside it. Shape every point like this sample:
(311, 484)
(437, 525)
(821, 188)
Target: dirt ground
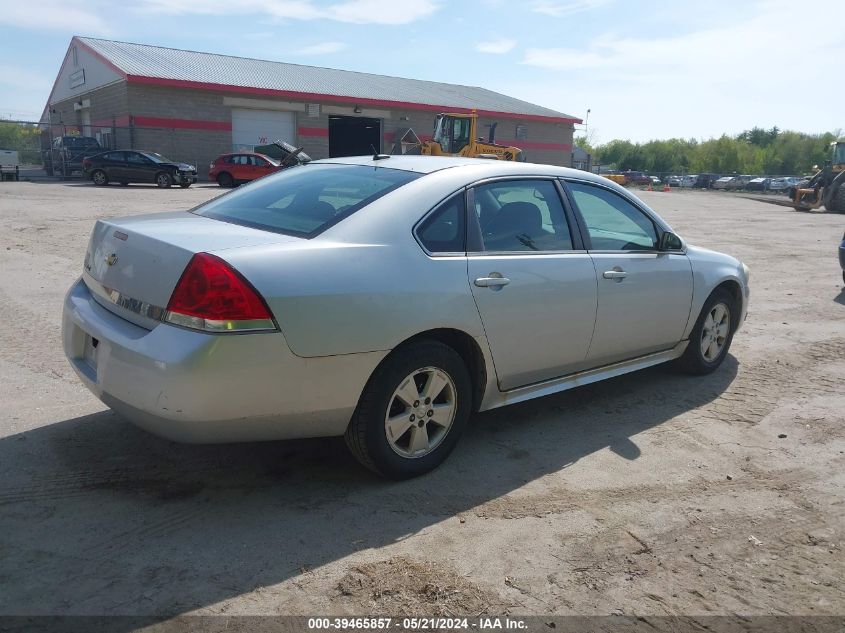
(650, 494)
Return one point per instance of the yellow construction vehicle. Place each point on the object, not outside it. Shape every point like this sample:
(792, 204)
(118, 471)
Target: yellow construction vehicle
(826, 187)
(619, 179)
(457, 135)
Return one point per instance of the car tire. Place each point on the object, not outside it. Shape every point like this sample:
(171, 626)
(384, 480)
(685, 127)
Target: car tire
(225, 180)
(99, 178)
(837, 200)
(163, 180)
(716, 323)
(399, 439)
(124, 183)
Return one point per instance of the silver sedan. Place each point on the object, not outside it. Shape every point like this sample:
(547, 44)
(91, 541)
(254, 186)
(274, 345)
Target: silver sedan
(386, 299)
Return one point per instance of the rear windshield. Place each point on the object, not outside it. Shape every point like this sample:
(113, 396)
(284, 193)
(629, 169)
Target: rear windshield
(305, 201)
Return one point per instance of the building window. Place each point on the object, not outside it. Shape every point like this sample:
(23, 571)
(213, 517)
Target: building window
(521, 132)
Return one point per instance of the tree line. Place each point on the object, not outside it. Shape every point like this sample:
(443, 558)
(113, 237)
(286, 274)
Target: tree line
(23, 138)
(754, 151)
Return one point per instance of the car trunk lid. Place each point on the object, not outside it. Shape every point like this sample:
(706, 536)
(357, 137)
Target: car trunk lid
(133, 264)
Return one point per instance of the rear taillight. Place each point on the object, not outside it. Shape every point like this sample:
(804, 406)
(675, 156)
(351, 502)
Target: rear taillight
(213, 297)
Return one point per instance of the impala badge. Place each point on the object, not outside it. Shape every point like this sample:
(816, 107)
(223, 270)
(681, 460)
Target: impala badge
(111, 260)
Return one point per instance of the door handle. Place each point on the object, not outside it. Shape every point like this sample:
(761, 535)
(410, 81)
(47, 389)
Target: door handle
(492, 282)
(614, 274)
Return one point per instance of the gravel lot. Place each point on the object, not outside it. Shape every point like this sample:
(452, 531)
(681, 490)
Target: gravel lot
(652, 494)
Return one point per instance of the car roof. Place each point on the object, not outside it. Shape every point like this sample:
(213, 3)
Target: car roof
(485, 166)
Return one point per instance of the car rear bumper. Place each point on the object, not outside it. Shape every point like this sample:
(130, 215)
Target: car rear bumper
(206, 388)
(842, 255)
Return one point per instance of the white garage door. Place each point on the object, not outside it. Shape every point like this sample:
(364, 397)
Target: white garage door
(260, 127)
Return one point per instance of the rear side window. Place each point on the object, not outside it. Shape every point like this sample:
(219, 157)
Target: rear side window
(444, 231)
(305, 201)
(136, 158)
(522, 215)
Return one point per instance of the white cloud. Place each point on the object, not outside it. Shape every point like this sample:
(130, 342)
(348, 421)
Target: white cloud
(560, 9)
(381, 11)
(390, 12)
(722, 53)
(324, 48)
(499, 46)
(54, 15)
(702, 82)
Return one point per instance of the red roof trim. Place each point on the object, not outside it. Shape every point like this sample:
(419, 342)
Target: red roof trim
(76, 41)
(184, 124)
(99, 56)
(200, 85)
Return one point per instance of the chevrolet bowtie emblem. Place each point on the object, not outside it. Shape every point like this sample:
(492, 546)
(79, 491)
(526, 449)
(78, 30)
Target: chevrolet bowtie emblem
(111, 260)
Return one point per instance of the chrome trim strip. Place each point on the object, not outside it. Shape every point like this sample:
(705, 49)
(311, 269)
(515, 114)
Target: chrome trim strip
(136, 306)
(555, 385)
(157, 313)
(217, 326)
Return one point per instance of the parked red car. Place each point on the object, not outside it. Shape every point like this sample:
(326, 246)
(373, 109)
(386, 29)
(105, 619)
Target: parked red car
(233, 169)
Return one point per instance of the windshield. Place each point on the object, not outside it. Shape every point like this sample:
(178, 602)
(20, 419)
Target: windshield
(157, 158)
(839, 154)
(304, 201)
(441, 134)
(80, 142)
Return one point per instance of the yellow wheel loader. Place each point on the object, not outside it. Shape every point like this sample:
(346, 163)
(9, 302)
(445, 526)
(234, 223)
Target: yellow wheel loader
(826, 187)
(457, 135)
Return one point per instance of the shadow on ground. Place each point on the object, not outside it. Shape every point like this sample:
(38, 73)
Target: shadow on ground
(98, 517)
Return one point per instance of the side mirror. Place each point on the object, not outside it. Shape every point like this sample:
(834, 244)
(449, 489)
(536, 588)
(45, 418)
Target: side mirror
(670, 242)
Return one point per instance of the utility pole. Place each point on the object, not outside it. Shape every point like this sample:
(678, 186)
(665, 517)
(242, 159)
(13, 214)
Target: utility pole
(587, 126)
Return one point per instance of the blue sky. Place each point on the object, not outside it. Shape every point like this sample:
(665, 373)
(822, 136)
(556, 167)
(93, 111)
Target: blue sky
(648, 69)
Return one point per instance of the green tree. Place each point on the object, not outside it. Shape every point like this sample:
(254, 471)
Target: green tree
(755, 151)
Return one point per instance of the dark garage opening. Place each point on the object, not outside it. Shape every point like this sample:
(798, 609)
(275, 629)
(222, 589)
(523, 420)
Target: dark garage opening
(353, 136)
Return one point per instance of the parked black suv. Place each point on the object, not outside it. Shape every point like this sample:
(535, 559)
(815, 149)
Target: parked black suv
(65, 155)
(125, 166)
(705, 181)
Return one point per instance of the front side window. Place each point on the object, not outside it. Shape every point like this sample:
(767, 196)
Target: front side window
(614, 224)
(522, 215)
(306, 200)
(460, 135)
(444, 230)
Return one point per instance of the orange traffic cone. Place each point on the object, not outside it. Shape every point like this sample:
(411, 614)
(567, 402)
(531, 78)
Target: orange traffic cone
(650, 188)
(667, 188)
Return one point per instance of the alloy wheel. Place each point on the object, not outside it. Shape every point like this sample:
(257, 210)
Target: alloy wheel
(420, 412)
(715, 332)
